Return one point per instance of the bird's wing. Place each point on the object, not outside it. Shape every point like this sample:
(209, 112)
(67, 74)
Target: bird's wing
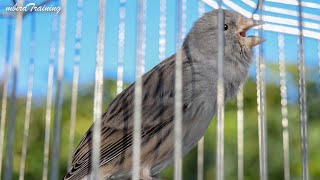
(157, 99)
(117, 121)
(113, 143)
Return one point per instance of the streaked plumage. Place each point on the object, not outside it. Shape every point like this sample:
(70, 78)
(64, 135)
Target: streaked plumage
(199, 54)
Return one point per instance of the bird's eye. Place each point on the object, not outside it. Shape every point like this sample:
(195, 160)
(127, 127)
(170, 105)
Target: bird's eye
(225, 27)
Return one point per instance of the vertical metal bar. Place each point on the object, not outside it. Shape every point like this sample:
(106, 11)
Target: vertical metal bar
(201, 11)
(75, 81)
(5, 90)
(261, 104)
(261, 119)
(162, 30)
(240, 133)
(284, 109)
(200, 159)
(121, 42)
(319, 57)
(29, 99)
(220, 98)
(183, 19)
(12, 110)
(303, 100)
(143, 36)
(52, 58)
(98, 91)
(140, 57)
(59, 89)
(178, 96)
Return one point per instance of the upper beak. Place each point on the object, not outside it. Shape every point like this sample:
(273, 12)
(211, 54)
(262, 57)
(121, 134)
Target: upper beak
(245, 25)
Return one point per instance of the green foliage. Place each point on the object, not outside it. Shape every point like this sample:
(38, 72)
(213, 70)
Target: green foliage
(35, 154)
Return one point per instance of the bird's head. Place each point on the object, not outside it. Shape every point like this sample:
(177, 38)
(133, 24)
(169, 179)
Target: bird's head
(238, 46)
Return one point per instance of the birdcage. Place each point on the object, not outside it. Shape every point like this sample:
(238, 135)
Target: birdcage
(61, 63)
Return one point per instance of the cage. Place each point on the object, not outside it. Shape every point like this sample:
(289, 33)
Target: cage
(62, 62)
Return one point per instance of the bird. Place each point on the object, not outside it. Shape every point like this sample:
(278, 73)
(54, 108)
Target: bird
(200, 75)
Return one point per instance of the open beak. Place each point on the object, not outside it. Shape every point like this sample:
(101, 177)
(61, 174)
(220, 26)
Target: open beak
(245, 25)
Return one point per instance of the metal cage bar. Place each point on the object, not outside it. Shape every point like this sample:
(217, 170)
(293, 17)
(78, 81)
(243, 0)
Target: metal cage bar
(303, 100)
(52, 57)
(162, 30)
(121, 43)
(98, 91)
(75, 81)
(5, 90)
(12, 110)
(183, 19)
(59, 93)
(240, 141)
(200, 163)
(140, 58)
(29, 99)
(220, 97)
(284, 108)
(178, 113)
(319, 57)
(200, 157)
(261, 99)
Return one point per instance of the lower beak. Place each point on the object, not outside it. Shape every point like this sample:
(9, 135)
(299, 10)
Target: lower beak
(245, 25)
(253, 40)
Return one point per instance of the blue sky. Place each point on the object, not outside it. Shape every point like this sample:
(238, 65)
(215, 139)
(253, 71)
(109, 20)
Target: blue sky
(89, 35)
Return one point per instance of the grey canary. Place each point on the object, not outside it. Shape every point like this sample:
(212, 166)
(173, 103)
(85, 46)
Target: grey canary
(199, 57)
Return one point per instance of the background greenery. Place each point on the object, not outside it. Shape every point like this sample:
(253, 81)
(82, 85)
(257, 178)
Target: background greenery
(251, 147)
